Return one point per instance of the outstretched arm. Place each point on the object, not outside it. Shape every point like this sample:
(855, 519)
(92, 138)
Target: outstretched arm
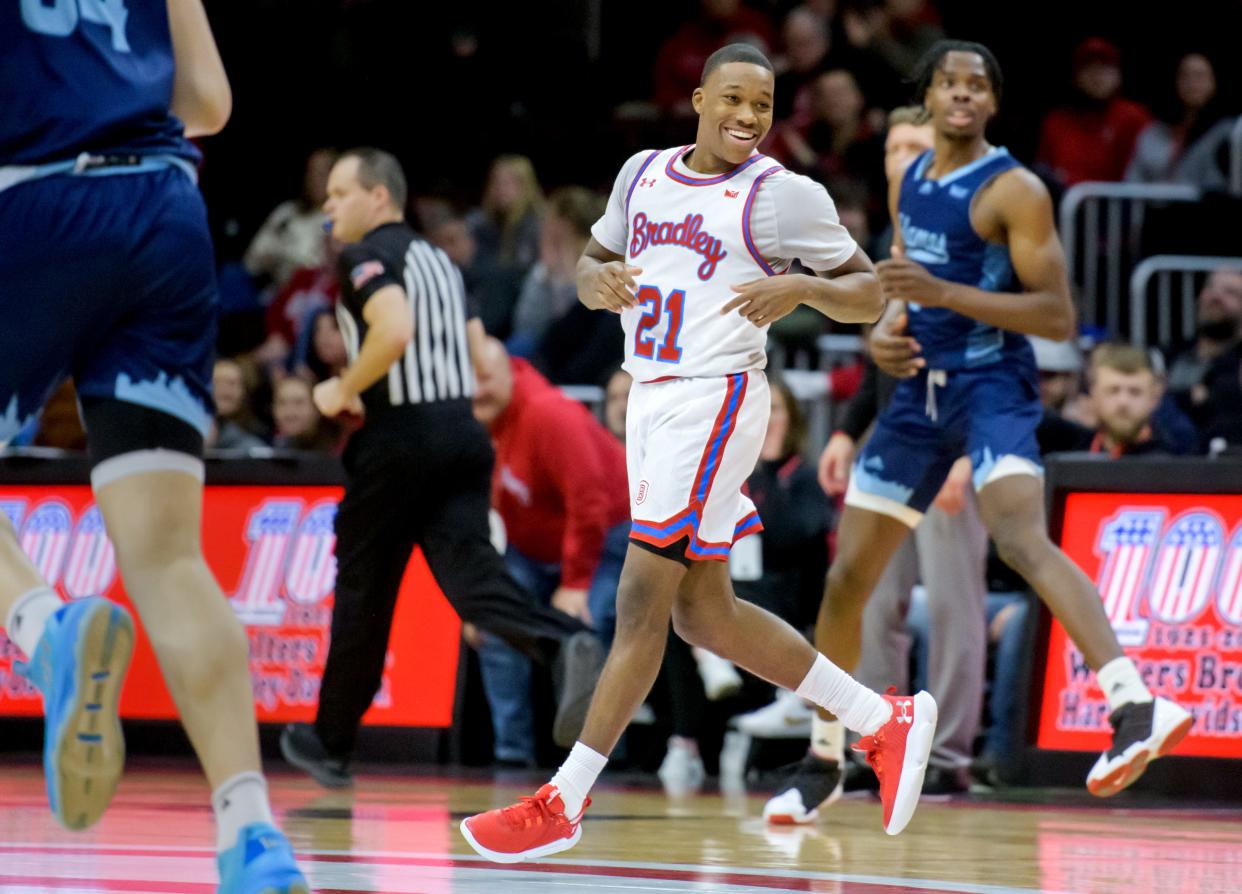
(201, 95)
(1023, 209)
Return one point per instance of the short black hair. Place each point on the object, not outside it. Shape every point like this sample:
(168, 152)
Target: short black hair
(376, 167)
(735, 52)
(930, 64)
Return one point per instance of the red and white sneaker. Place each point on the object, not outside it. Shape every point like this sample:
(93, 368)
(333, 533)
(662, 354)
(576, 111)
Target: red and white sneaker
(533, 827)
(898, 752)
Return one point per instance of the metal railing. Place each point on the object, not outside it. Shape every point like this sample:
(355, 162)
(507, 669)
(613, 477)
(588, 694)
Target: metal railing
(1187, 270)
(1235, 158)
(590, 395)
(1116, 249)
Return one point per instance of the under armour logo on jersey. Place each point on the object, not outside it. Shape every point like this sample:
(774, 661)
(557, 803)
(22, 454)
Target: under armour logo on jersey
(904, 707)
(647, 181)
(958, 192)
(730, 193)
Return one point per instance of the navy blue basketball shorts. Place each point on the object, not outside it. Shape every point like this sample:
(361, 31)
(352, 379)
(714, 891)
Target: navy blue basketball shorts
(988, 413)
(109, 276)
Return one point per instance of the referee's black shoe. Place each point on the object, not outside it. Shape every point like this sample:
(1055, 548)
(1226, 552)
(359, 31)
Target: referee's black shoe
(575, 673)
(301, 747)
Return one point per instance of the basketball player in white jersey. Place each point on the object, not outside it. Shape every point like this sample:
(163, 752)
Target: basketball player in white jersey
(691, 252)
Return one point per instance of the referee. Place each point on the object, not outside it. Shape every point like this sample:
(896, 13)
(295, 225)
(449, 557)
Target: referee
(418, 471)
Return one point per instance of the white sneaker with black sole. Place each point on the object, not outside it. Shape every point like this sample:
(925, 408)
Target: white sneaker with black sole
(1142, 732)
(816, 783)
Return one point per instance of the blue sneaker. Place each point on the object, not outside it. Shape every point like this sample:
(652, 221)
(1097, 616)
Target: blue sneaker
(79, 665)
(260, 863)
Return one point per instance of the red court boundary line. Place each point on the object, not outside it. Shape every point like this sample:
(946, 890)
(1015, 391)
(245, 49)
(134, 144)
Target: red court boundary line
(169, 887)
(654, 873)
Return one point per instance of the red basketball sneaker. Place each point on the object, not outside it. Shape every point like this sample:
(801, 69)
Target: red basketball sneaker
(533, 827)
(898, 753)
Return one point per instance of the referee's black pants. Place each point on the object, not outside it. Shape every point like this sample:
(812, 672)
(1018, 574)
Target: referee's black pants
(417, 478)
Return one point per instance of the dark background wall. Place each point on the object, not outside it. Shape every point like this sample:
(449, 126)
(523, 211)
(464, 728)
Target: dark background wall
(345, 72)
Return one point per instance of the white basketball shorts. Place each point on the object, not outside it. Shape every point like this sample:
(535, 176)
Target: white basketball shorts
(690, 446)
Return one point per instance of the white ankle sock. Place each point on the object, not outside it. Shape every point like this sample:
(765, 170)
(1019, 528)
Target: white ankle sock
(28, 617)
(1121, 683)
(837, 692)
(238, 802)
(576, 777)
(828, 739)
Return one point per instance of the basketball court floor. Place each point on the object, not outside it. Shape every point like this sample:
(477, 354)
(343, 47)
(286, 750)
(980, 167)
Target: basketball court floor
(398, 835)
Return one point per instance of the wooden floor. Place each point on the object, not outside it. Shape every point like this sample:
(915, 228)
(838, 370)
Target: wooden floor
(398, 835)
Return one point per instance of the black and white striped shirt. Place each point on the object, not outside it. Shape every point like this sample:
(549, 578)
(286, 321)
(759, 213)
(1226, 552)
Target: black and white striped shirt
(436, 365)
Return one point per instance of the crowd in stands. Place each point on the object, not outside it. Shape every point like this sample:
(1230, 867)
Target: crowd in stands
(841, 68)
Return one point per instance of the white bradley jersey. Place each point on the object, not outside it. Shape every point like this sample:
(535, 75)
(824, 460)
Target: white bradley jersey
(694, 236)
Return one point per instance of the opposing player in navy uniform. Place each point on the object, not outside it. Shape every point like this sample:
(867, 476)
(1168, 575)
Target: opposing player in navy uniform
(107, 274)
(977, 266)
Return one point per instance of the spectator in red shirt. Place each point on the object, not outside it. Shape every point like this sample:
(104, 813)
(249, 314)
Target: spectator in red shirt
(560, 489)
(679, 65)
(1092, 137)
(307, 291)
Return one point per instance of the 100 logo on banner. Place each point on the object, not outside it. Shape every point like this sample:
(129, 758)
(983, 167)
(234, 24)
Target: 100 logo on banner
(289, 548)
(1175, 571)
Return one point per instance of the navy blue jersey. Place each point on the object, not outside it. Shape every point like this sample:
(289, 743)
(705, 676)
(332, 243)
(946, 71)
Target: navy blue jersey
(937, 233)
(86, 76)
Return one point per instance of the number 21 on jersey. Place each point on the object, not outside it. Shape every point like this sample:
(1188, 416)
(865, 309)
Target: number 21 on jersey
(656, 307)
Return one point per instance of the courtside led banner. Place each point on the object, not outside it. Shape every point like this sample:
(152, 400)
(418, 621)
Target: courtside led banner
(271, 548)
(1169, 569)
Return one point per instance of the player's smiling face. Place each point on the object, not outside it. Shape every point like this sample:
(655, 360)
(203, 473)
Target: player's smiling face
(735, 114)
(960, 97)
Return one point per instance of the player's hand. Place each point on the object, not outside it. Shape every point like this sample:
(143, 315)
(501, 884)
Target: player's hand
(952, 497)
(573, 601)
(893, 351)
(834, 464)
(904, 280)
(764, 301)
(333, 398)
(610, 286)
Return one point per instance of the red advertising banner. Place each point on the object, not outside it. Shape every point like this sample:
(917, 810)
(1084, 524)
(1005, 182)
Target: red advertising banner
(1169, 569)
(271, 549)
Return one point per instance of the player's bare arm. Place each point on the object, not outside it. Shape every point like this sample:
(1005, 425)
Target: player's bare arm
(1018, 210)
(892, 350)
(201, 95)
(605, 281)
(389, 329)
(848, 294)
